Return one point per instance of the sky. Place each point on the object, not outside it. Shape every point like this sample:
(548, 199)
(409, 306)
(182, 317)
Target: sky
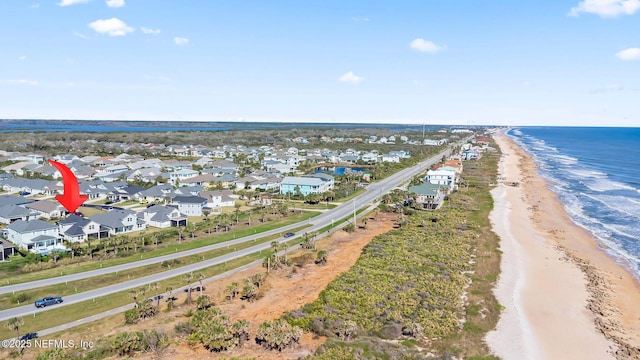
(466, 62)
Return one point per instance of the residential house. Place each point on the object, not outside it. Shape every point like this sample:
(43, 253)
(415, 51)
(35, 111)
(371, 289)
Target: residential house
(430, 196)
(216, 200)
(190, 205)
(7, 249)
(163, 216)
(308, 184)
(36, 236)
(11, 213)
(445, 175)
(119, 221)
(46, 209)
(76, 229)
(177, 176)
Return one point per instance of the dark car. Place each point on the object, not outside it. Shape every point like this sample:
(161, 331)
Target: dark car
(289, 234)
(156, 298)
(49, 300)
(28, 336)
(195, 288)
(78, 213)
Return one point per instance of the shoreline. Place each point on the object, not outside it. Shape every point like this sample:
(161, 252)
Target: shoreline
(589, 307)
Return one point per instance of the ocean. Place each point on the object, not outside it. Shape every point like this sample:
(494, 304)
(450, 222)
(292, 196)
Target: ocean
(596, 174)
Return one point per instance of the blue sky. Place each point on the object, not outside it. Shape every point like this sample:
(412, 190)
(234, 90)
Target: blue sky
(560, 62)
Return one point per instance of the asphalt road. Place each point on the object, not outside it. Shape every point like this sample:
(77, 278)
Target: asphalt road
(373, 192)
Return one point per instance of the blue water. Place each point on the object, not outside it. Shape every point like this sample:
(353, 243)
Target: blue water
(596, 174)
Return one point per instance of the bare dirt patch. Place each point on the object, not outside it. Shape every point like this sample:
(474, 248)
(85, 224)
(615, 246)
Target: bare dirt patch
(283, 291)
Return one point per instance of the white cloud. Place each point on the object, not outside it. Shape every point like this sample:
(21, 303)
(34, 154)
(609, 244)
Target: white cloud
(22, 82)
(35, 6)
(629, 54)
(423, 45)
(112, 27)
(149, 31)
(360, 19)
(180, 41)
(72, 2)
(23, 57)
(351, 78)
(606, 8)
(115, 3)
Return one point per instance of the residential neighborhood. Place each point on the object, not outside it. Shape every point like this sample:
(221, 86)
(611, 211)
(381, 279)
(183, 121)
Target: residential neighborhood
(186, 182)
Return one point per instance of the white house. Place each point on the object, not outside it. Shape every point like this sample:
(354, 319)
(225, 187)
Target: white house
(119, 221)
(46, 209)
(163, 216)
(445, 175)
(216, 200)
(190, 205)
(36, 236)
(76, 228)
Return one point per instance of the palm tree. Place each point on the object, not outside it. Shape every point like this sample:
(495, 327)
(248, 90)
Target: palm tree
(169, 290)
(134, 296)
(232, 290)
(322, 257)
(200, 278)
(180, 232)
(188, 278)
(14, 324)
(154, 286)
(89, 248)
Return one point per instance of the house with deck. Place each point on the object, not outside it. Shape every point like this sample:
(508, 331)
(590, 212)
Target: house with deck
(37, 236)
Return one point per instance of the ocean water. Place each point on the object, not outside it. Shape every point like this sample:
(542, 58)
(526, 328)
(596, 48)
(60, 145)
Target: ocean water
(596, 174)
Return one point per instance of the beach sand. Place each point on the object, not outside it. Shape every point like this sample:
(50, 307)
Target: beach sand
(564, 298)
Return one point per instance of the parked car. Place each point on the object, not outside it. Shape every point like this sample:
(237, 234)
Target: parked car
(28, 336)
(49, 300)
(289, 234)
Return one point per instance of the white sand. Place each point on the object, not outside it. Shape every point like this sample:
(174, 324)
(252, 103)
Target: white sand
(544, 294)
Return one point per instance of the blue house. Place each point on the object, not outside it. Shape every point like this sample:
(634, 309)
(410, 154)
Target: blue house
(308, 184)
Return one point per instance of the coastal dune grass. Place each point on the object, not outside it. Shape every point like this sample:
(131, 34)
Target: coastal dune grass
(437, 271)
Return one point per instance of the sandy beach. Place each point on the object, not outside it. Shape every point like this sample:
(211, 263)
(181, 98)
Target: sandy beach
(564, 298)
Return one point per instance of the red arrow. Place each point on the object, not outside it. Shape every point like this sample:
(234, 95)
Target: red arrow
(71, 199)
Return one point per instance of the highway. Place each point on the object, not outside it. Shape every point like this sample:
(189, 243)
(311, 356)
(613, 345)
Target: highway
(373, 192)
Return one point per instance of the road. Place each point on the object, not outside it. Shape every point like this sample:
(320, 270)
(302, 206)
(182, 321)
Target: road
(373, 192)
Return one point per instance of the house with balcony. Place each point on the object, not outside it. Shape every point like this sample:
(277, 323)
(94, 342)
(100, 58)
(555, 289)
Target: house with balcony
(36, 236)
(429, 196)
(445, 175)
(77, 229)
(190, 205)
(308, 184)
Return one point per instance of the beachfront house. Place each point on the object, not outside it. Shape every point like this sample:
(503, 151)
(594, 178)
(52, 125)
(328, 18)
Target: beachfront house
(445, 175)
(428, 196)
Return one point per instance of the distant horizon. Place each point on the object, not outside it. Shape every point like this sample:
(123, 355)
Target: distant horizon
(322, 122)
